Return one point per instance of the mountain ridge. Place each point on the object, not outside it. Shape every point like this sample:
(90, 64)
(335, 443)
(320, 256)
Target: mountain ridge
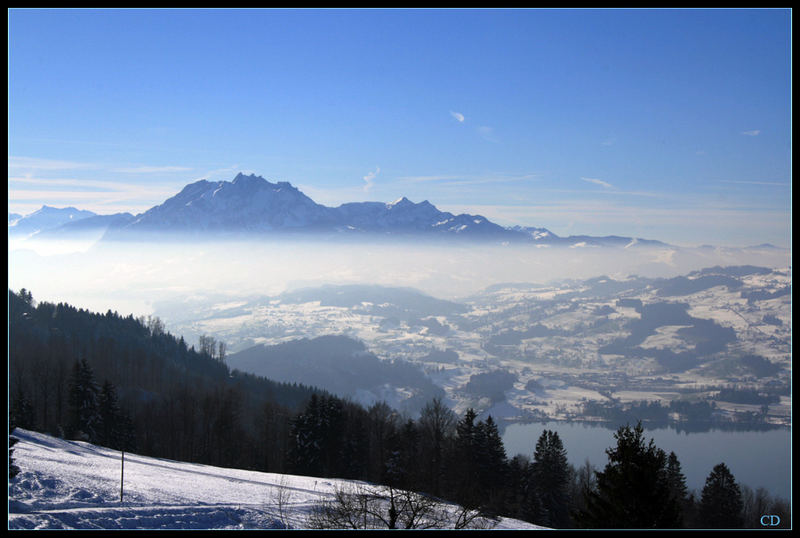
(252, 205)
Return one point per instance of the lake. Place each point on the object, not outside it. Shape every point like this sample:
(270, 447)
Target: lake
(756, 458)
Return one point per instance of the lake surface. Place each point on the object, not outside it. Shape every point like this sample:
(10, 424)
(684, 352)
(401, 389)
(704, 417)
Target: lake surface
(756, 458)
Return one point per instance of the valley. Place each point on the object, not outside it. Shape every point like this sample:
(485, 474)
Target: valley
(562, 351)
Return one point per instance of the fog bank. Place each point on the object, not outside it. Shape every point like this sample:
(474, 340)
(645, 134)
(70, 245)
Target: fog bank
(129, 277)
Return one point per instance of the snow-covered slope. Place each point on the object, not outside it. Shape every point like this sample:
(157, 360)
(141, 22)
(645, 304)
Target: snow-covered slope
(76, 485)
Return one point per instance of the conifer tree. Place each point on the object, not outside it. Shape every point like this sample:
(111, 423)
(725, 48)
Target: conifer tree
(721, 501)
(492, 465)
(551, 477)
(463, 467)
(83, 403)
(522, 500)
(677, 485)
(115, 428)
(22, 411)
(632, 491)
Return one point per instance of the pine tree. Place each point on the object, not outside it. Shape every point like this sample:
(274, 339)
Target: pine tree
(632, 491)
(721, 501)
(22, 411)
(83, 403)
(316, 435)
(115, 428)
(492, 465)
(522, 501)
(677, 485)
(463, 466)
(551, 478)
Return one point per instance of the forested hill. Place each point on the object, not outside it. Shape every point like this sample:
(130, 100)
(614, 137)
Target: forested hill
(178, 403)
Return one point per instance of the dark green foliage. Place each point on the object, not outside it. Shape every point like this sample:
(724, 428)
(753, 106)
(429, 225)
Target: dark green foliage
(319, 443)
(401, 467)
(477, 465)
(721, 502)
(522, 501)
(22, 412)
(632, 491)
(115, 429)
(84, 416)
(178, 403)
(675, 478)
(13, 470)
(551, 478)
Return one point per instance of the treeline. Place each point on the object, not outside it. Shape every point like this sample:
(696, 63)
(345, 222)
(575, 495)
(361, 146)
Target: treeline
(650, 411)
(68, 366)
(128, 384)
(691, 416)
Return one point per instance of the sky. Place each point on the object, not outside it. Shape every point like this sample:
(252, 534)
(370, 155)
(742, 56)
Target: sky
(666, 124)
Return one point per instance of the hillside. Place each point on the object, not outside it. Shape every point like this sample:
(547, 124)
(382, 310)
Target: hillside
(75, 485)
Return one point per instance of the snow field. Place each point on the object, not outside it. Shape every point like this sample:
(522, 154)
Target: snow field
(75, 485)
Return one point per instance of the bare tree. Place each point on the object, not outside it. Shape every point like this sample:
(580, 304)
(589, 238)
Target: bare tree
(207, 345)
(380, 507)
(155, 325)
(280, 497)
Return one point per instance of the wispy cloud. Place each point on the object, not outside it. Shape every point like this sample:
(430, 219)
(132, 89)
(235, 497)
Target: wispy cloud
(75, 183)
(632, 219)
(454, 180)
(369, 179)
(96, 195)
(32, 163)
(600, 182)
(458, 116)
(151, 169)
(609, 141)
(754, 132)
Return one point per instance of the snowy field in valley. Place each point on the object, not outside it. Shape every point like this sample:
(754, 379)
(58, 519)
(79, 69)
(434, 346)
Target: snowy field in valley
(76, 485)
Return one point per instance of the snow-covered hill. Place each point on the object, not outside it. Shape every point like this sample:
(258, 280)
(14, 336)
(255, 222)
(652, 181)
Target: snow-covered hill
(76, 485)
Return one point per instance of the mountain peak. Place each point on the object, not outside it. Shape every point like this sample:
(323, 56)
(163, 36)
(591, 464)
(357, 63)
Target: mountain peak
(402, 202)
(252, 178)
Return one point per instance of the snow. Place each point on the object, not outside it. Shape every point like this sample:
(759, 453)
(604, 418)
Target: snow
(75, 485)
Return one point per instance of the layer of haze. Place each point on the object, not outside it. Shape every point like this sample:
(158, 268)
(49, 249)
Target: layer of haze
(129, 277)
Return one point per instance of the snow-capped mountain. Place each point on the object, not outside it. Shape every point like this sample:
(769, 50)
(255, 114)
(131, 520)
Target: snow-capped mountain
(45, 218)
(250, 203)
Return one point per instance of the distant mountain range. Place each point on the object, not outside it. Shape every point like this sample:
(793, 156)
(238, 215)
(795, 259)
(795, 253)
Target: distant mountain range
(254, 206)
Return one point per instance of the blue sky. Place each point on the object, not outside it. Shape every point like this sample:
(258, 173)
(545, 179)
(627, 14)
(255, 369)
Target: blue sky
(664, 124)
